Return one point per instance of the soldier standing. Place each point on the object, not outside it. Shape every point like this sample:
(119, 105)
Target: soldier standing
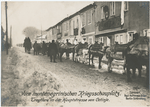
(67, 53)
(44, 48)
(53, 51)
(35, 48)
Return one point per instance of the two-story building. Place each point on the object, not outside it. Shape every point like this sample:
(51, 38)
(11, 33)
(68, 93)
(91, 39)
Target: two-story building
(88, 23)
(118, 21)
(65, 29)
(79, 26)
(49, 34)
(106, 22)
(74, 27)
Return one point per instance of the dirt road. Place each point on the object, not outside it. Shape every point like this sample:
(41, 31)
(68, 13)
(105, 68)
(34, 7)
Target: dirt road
(94, 87)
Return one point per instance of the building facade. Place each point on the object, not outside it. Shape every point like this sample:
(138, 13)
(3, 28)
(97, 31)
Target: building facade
(49, 34)
(74, 27)
(88, 24)
(118, 21)
(106, 22)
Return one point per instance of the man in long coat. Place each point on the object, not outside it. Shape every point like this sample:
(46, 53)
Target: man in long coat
(53, 51)
(24, 44)
(44, 47)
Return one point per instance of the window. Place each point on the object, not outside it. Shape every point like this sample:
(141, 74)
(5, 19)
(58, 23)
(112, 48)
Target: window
(117, 38)
(101, 40)
(53, 31)
(77, 23)
(90, 40)
(72, 28)
(102, 12)
(60, 28)
(113, 8)
(83, 19)
(108, 42)
(121, 39)
(130, 35)
(64, 26)
(89, 16)
(146, 32)
(126, 7)
(73, 24)
(67, 25)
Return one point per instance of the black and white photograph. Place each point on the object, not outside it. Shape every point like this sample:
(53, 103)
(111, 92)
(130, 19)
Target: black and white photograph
(75, 53)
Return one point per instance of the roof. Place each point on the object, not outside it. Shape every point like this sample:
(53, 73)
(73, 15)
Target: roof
(69, 17)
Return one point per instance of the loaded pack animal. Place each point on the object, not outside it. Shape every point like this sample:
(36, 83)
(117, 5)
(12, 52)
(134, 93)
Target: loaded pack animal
(116, 51)
(133, 54)
(65, 48)
(97, 50)
(27, 44)
(81, 49)
(136, 56)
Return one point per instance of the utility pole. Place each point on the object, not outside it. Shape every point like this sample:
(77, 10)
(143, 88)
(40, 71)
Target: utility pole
(6, 29)
(41, 33)
(10, 36)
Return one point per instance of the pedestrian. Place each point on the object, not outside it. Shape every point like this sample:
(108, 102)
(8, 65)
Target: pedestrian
(24, 44)
(67, 41)
(36, 47)
(44, 48)
(53, 51)
(75, 42)
(29, 44)
(67, 53)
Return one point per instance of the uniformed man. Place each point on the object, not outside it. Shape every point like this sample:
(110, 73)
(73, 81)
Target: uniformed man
(67, 54)
(53, 51)
(44, 47)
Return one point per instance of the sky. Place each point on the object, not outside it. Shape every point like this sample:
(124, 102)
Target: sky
(38, 14)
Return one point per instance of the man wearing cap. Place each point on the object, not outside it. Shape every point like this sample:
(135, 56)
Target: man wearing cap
(53, 51)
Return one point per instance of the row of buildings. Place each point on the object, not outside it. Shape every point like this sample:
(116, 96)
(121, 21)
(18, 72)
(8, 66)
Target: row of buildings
(106, 22)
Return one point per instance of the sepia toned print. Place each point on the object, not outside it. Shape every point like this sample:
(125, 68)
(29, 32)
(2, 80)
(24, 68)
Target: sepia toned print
(75, 53)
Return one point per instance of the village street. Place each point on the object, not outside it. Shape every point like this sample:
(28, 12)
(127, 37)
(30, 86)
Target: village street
(23, 72)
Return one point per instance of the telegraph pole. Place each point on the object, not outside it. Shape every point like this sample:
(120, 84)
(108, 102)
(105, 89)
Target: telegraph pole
(41, 33)
(10, 36)
(6, 46)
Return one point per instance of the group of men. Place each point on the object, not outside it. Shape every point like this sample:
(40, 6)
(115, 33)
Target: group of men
(52, 49)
